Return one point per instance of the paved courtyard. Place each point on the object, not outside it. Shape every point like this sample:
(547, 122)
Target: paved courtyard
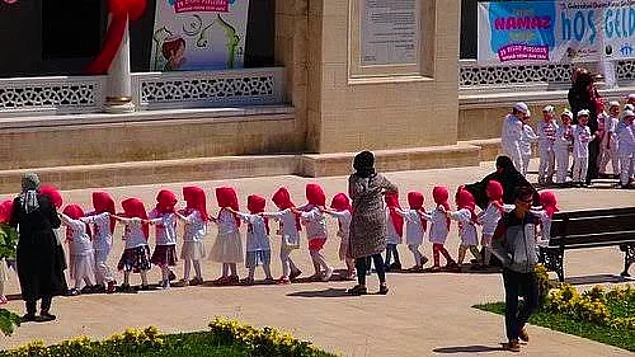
(423, 315)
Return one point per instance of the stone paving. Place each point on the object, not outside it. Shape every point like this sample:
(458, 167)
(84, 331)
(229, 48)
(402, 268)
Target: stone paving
(423, 315)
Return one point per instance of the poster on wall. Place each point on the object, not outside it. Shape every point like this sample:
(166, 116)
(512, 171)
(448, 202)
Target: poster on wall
(556, 31)
(193, 35)
(390, 32)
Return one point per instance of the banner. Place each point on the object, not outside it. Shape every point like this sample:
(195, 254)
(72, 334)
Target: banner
(191, 35)
(557, 31)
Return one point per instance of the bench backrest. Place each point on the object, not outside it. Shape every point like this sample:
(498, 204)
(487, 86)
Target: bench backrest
(579, 229)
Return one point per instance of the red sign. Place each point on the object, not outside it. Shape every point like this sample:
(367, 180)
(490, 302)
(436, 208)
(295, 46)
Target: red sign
(198, 5)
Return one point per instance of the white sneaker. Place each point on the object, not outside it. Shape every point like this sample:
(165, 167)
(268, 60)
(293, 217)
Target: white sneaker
(328, 274)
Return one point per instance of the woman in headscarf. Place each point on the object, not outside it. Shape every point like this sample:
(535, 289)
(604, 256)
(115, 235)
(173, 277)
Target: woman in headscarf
(508, 177)
(35, 217)
(368, 225)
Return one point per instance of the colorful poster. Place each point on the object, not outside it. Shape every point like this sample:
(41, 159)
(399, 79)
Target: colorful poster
(192, 35)
(556, 31)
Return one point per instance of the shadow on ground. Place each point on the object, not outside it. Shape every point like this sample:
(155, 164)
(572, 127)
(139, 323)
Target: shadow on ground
(468, 349)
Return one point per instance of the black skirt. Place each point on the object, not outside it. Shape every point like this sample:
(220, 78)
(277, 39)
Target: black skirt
(41, 265)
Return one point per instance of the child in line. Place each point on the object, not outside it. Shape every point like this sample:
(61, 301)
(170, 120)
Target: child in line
(546, 138)
(103, 228)
(315, 222)
(467, 221)
(489, 218)
(7, 235)
(562, 145)
(527, 138)
(626, 148)
(440, 227)
(342, 211)
(82, 254)
(394, 231)
(416, 227)
(164, 220)
(608, 144)
(195, 218)
(289, 231)
(136, 254)
(581, 138)
(258, 246)
(549, 203)
(227, 248)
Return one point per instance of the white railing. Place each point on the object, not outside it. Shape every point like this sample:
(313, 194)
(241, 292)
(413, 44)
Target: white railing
(150, 90)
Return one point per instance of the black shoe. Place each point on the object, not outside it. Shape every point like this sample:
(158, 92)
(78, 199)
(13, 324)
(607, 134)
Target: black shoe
(172, 276)
(358, 290)
(395, 266)
(28, 318)
(46, 317)
(144, 287)
(625, 274)
(125, 288)
(74, 292)
(88, 289)
(383, 290)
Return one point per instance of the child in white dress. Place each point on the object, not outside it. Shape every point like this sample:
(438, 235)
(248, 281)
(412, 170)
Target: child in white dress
(626, 148)
(289, 231)
(549, 203)
(546, 138)
(81, 252)
(313, 218)
(394, 231)
(467, 220)
(581, 138)
(490, 217)
(195, 218)
(527, 138)
(136, 255)
(342, 211)
(103, 228)
(227, 248)
(439, 227)
(416, 227)
(562, 146)
(163, 218)
(258, 245)
(607, 124)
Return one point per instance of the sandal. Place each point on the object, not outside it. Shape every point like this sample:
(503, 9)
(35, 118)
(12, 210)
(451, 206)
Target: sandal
(358, 290)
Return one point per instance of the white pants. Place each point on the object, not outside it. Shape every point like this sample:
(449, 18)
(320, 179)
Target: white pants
(547, 164)
(628, 163)
(562, 161)
(287, 263)
(607, 155)
(580, 167)
(525, 158)
(515, 155)
(103, 274)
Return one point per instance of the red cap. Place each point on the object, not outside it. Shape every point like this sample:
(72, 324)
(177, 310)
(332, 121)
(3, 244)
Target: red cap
(256, 204)
(315, 195)
(549, 202)
(52, 194)
(226, 197)
(134, 208)
(103, 202)
(341, 202)
(6, 210)
(494, 190)
(415, 200)
(282, 199)
(74, 211)
(195, 199)
(464, 199)
(166, 200)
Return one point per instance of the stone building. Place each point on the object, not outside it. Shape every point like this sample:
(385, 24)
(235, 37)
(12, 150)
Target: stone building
(320, 83)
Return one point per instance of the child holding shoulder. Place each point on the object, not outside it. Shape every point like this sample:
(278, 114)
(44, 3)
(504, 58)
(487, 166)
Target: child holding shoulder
(227, 248)
(136, 254)
(562, 146)
(289, 231)
(546, 138)
(549, 203)
(440, 227)
(103, 229)
(467, 221)
(164, 219)
(490, 217)
(415, 228)
(312, 216)
(581, 138)
(394, 230)
(341, 209)
(195, 218)
(82, 254)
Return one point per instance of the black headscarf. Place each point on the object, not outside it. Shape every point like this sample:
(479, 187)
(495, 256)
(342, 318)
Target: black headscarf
(364, 164)
(509, 178)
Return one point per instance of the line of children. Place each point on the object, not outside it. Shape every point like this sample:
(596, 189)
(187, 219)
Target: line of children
(342, 210)
(103, 226)
(467, 221)
(313, 217)
(289, 231)
(81, 252)
(416, 227)
(195, 219)
(439, 227)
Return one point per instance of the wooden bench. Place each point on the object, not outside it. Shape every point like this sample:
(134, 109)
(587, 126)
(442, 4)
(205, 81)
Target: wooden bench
(589, 229)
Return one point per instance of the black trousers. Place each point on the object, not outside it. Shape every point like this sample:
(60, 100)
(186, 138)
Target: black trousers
(519, 285)
(45, 306)
(363, 264)
(594, 154)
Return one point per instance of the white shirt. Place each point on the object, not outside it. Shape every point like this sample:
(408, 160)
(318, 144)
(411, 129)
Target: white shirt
(489, 219)
(392, 237)
(133, 234)
(414, 226)
(609, 125)
(439, 225)
(562, 141)
(288, 229)
(546, 134)
(315, 222)
(80, 243)
(165, 227)
(546, 225)
(195, 227)
(257, 237)
(626, 139)
(344, 219)
(102, 237)
(528, 136)
(226, 223)
(468, 229)
(581, 138)
(512, 132)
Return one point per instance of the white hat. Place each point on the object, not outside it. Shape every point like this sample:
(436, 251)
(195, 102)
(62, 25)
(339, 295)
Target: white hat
(521, 107)
(567, 113)
(631, 96)
(614, 103)
(584, 112)
(628, 114)
(630, 107)
(548, 109)
(528, 114)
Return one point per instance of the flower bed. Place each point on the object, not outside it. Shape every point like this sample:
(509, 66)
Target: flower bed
(227, 338)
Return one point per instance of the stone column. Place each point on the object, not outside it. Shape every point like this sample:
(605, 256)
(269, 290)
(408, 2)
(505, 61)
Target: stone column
(119, 84)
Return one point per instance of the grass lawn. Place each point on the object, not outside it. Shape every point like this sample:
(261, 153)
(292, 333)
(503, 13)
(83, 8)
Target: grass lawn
(623, 338)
